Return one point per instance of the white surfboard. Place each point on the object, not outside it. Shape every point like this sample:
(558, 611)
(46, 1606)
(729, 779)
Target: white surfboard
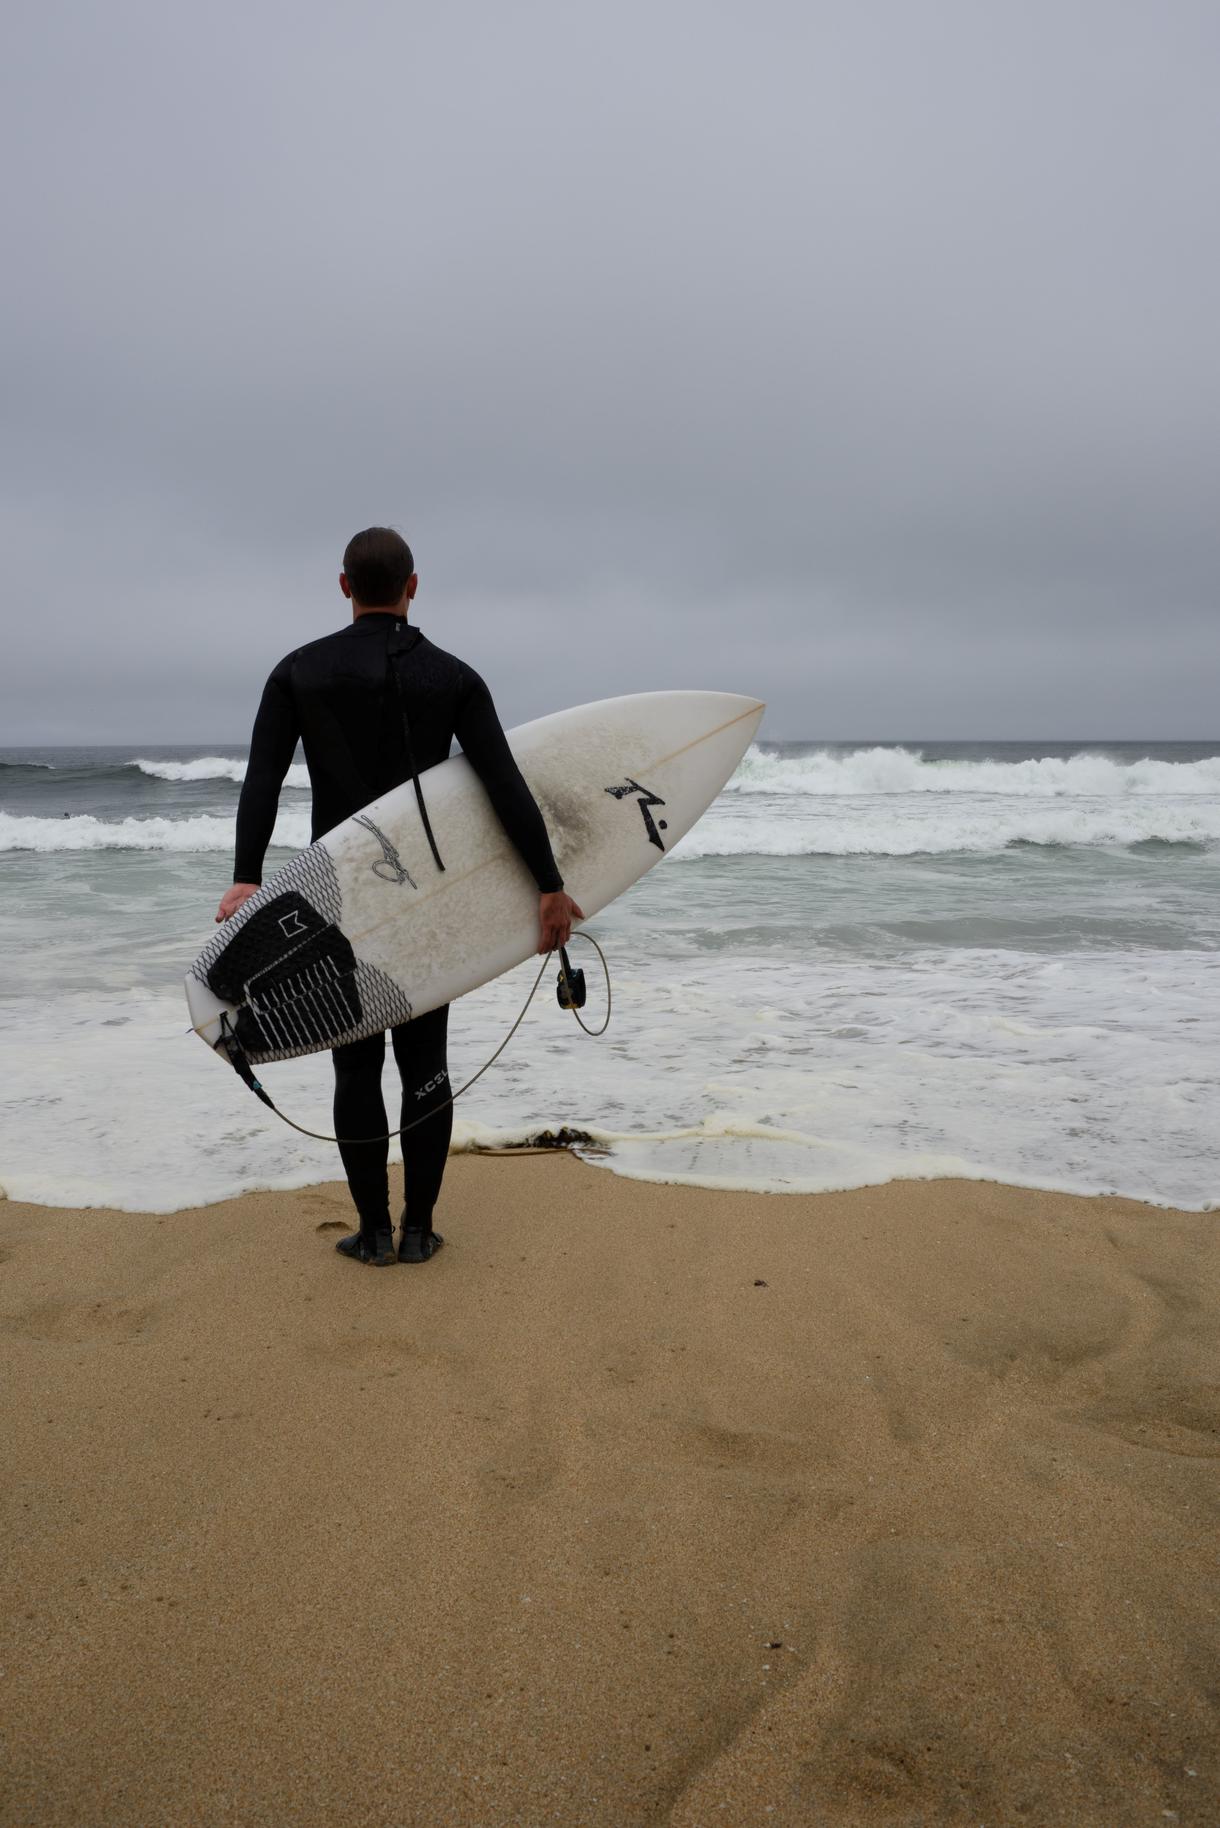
(362, 931)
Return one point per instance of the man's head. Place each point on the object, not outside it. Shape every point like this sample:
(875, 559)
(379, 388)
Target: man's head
(378, 570)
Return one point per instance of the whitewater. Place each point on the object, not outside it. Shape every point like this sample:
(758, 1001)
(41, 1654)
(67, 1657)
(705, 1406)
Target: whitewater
(869, 961)
(877, 801)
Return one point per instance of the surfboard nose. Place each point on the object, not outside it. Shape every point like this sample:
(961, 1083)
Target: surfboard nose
(743, 702)
(738, 705)
(732, 713)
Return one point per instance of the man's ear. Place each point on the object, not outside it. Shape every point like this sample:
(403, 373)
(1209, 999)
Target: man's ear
(344, 586)
(412, 586)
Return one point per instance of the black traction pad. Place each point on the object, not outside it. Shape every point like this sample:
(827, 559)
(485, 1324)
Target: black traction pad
(291, 974)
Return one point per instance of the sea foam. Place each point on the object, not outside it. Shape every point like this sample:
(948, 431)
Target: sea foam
(1092, 1072)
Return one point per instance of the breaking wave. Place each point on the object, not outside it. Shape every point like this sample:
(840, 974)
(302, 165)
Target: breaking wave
(213, 768)
(941, 831)
(727, 831)
(831, 773)
(82, 832)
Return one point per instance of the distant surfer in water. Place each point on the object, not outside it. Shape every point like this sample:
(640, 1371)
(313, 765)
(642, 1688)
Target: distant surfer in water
(374, 705)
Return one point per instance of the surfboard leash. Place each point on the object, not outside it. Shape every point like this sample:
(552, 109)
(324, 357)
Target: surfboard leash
(571, 994)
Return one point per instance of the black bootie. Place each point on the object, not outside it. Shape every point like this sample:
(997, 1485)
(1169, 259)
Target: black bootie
(372, 1244)
(418, 1243)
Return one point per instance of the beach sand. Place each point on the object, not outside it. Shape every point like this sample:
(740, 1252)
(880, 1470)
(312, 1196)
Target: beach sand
(637, 1505)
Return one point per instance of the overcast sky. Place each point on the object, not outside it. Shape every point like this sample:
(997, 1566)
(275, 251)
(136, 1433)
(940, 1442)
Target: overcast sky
(863, 356)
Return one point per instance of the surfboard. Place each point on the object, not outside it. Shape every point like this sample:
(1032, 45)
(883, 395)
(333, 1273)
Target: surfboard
(362, 931)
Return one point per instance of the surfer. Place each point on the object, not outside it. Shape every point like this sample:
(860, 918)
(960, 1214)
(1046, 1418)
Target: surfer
(376, 704)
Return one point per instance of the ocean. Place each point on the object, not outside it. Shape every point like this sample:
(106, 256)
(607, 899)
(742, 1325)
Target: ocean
(868, 961)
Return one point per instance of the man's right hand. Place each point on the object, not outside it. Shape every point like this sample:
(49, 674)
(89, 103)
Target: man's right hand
(236, 897)
(556, 912)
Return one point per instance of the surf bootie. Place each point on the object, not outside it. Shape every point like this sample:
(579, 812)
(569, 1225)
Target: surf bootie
(418, 1246)
(375, 1247)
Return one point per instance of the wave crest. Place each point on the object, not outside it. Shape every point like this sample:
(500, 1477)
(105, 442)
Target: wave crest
(82, 832)
(942, 831)
(830, 773)
(213, 768)
(725, 833)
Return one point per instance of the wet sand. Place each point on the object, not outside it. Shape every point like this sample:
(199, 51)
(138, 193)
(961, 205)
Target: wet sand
(636, 1505)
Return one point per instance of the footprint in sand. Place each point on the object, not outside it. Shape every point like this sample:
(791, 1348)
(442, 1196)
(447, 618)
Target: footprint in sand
(79, 1322)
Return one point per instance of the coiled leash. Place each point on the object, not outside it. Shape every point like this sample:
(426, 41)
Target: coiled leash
(570, 993)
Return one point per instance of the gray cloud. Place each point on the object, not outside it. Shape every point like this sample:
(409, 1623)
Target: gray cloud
(860, 357)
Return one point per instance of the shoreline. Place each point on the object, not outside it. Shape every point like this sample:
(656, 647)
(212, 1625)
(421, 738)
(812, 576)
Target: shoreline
(639, 1504)
(601, 1142)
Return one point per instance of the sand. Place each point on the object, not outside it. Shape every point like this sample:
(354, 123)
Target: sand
(636, 1505)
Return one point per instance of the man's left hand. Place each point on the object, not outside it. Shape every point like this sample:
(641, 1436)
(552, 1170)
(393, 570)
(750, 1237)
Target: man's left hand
(234, 898)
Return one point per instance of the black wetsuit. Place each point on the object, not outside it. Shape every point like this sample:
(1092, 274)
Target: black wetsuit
(339, 698)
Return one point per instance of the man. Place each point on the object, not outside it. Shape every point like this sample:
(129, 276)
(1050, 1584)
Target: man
(373, 704)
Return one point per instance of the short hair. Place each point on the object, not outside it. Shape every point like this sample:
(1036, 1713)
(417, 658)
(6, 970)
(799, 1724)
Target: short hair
(378, 564)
